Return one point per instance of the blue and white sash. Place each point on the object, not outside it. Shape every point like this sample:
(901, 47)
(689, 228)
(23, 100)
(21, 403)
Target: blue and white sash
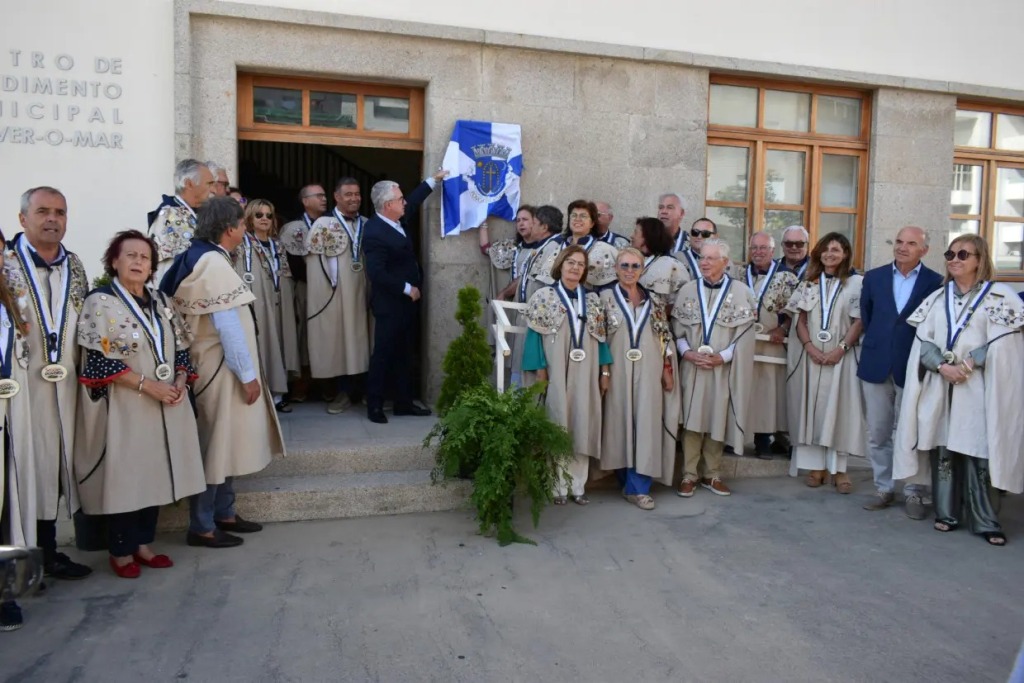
(827, 299)
(150, 324)
(709, 311)
(53, 326)
(955, 326)
(576, 312)
(635, 319)
(355, 238)
(760, 291)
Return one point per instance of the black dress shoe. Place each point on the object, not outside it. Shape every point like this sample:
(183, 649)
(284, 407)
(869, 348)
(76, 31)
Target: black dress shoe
(240, 526)
(377, 415)
(412, 409)
(62, 567)
(219, 539)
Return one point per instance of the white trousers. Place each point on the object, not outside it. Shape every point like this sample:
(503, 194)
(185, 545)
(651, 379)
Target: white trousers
(578, 470)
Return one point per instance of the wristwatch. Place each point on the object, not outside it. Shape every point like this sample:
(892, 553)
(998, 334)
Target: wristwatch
(844, 346)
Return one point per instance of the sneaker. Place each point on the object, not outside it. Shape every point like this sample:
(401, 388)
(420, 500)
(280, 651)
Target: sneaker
(339, 405)
(716, 486)
(62, 567)
(883, 499)
(10, 616)
(686, 488)
(642, 501)
(914, 507)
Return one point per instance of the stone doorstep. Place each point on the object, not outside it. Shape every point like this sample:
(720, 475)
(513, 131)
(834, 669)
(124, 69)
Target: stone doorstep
(378, 456)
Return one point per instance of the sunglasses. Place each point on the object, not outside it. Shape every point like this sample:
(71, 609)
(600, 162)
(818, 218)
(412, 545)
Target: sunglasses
(705, 234)
(260, 214)
(794, 245)
(961, 255)
(630, 266)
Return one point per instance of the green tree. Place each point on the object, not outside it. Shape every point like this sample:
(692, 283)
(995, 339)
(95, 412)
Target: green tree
(468, 361)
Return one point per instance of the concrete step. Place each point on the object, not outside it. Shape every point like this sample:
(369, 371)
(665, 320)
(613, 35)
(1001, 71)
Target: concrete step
(350, 458)
(335, 496)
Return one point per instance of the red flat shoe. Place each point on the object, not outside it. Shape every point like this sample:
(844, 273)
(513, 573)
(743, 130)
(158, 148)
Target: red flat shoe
(126, 571)
(155, 562)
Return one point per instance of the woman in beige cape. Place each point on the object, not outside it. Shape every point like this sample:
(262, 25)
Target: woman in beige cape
(960, 416)
(582, 216)
(262, 264)
(638, 439)
(565, 346)
(716, 368)
(826, 411)
(136, 446)
(238, 429)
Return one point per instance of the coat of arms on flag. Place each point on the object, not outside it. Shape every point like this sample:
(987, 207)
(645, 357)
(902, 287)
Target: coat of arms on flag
(484, 161)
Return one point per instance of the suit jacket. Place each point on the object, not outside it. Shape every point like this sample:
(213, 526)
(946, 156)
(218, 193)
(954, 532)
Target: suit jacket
(887, 336)
(390, 259)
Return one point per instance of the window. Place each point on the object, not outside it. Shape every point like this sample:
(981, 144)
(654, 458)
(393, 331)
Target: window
(782, 154)
(286, 109)
(988, 182)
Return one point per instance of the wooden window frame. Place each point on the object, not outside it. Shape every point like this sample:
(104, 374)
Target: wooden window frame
(991, 160)
(250, 129)
(759, 140)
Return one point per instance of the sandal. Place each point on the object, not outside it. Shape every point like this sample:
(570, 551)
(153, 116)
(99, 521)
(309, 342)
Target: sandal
(581, 500)
(842, 482)
(642, 501)
(944, 526)
(996, 538)
(561, 500)
(815, 478)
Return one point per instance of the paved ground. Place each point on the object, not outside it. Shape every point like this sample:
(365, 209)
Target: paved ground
(777, 583)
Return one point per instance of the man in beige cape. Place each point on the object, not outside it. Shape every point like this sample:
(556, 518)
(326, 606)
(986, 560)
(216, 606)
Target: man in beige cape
(238, 429)
(716, 371)
(173, 223)
(51, 283)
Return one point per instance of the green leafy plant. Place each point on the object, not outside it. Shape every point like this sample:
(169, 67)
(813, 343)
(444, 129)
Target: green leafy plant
(100, 280)
(468, 361)
(507, 441)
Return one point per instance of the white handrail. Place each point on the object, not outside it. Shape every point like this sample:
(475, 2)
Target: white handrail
(502, 326)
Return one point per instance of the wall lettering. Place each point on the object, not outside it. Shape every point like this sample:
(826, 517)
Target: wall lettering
(45, 101)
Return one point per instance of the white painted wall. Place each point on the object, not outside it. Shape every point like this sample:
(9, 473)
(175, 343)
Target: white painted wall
(108, 189)
(945, 40)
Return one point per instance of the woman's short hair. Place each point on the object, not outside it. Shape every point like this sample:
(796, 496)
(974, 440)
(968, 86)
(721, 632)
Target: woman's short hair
(655, 234)
(814, 267)
(550, 217)
(556, 270)
(587, 205)
(629, 251)
(114, 250)
(250, 215)
(215, 217)
(986, 269)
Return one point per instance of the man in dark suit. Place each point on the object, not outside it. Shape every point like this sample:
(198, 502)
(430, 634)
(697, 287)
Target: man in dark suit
(395, 280)
(890, 294)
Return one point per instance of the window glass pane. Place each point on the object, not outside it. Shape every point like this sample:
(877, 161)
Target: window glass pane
(839, 180)
(332, 109)
(1007, 247)
(1010, 192)
(728, 169)
(784, 177)
(733, 106)
(732, 227)
(388, 114)
(777, 221)
(957, 228)
(1010, 132)
(966, 194)
(277, 105)
(842, 223)
(972, 128)
(787, 110)
(838, 116)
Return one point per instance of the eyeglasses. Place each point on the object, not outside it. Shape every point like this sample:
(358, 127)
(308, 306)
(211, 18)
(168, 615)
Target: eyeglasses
(318, 195)
(794, 245)
(961, 255)
(705, 234)
(578, 216)
(260, 214)
(761, 247)
(630, 266)
(604, 213)
(575, 264)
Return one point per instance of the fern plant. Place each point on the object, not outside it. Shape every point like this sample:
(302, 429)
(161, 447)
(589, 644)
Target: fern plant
(468, 360)
(510, 445)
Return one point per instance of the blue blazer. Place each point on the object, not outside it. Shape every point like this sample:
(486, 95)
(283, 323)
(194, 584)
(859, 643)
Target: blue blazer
(390, 259)
(887, 336)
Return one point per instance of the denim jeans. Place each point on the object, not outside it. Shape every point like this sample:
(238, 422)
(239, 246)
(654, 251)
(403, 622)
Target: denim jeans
(216, 502)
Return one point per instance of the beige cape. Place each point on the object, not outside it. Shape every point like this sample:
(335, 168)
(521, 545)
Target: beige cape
(235, 438)
(768, 412)
(131, 451)
(981, 417)
(18, 490)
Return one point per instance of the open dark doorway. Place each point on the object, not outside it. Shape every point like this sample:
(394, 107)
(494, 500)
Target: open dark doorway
(277, 171)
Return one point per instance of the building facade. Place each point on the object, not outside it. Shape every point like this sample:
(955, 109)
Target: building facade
(832, 114)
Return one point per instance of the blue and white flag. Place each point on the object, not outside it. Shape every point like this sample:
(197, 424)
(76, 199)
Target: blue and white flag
(484, 162)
